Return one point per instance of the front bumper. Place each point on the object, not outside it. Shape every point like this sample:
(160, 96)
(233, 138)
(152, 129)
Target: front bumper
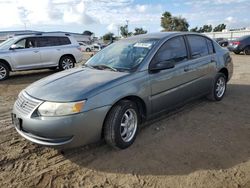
(65, 131)
(233, 49)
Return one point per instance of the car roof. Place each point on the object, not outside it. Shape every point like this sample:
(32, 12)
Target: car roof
(161, 35)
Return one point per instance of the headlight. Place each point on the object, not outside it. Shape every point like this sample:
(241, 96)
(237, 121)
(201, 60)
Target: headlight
(60, 109)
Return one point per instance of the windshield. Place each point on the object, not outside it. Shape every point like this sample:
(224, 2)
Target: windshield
(6, 44)
(122, 55)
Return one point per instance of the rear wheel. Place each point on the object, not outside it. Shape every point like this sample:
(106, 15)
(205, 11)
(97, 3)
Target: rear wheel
(237, 53)
(219, 87)
(88, 50)
(121, 125)
(4, 71)
(247, 50)
(66, 62)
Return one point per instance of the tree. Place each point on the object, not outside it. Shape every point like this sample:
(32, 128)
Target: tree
(195, 29)
(204, 28)
(108, 36)
(173, 23)
(139, 31)
(124, 31)
(89, 33)
(220, 27)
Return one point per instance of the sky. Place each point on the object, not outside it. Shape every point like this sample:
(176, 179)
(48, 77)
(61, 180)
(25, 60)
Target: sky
(102, 16)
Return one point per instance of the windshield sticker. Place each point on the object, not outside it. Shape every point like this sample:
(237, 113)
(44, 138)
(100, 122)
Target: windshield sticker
(143, 45)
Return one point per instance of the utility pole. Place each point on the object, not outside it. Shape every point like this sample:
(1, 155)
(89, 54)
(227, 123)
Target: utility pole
(127, 21)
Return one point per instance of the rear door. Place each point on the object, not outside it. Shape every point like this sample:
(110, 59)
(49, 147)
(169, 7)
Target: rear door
(202, 65)
(27, 54)
(52, 48)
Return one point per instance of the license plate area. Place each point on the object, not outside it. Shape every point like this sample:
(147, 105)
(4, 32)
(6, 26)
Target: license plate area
(17, 122)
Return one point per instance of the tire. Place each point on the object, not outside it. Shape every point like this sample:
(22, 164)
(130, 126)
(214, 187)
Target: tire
(88, 50)
(4, 71)
(219, 88)
(66, 62)
(121, 125)
(237, 53)
(247, 50)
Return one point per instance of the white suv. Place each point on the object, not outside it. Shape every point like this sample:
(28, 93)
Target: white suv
(38, 51)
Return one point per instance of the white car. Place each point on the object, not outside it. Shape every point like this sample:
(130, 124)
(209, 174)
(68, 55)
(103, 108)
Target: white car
(85, 47)
(28, 52)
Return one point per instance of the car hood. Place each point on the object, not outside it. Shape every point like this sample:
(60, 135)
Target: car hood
(73, 85)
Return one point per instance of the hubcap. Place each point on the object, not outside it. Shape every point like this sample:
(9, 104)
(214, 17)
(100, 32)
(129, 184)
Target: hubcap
(128, 125)
(67, 63)
(220, 87)
(3, 72)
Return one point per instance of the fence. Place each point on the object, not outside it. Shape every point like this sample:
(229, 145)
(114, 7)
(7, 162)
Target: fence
(228, 35)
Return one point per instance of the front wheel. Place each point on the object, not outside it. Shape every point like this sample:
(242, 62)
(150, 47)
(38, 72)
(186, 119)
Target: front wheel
(4, 71)
(121, 124)
(66, 62)
(247, 50)
(219, 88)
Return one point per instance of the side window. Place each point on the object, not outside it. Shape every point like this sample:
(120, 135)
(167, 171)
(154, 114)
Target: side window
(64, 40)
(174, 50)
(210, 46)
(198, 46)
(21, 44)
(27, 43)
(44, 42)
(53, 41)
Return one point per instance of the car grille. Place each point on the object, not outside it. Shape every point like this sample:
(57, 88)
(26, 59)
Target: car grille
(26, 104)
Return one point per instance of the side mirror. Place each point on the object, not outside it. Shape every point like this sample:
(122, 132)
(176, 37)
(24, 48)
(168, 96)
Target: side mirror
(161, 65)
(13, 47)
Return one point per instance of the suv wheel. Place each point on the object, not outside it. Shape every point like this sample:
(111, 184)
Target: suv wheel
(247, 50)
(88, 50)
(219, 88)
(66, 62)
(4, 71)
(121, 125)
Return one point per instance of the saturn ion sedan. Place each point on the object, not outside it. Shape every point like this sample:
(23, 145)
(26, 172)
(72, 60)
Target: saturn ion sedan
(119, 88)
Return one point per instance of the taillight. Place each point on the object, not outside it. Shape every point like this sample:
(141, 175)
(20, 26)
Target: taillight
(236, 43)
(79, 48)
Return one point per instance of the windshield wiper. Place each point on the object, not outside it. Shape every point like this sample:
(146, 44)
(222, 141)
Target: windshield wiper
(103, 66)
(89, 66)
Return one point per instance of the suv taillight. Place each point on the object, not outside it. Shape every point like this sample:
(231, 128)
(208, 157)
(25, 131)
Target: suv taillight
(236, 43)
(79, 48)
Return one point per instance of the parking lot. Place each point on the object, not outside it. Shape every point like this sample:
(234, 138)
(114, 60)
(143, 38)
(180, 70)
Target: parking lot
(204, 144)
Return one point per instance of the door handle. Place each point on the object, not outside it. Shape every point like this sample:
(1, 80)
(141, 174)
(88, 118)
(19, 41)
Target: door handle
(36, 51)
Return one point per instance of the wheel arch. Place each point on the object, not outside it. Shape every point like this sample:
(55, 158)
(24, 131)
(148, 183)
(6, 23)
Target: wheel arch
(67, 55)
(6, 63)
(141, 105)
(225, 72)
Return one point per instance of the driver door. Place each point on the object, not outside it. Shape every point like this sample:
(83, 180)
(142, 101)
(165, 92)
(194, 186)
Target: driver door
(26, 55)
(169, 87)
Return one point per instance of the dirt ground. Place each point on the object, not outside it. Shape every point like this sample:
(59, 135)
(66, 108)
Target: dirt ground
(204, 144)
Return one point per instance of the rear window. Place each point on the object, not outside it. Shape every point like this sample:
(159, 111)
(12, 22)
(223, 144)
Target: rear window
(53, 41)
(210, 46)
(198, 45)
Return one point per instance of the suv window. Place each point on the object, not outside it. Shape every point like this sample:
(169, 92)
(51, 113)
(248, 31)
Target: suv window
(173, 50)
(26, 43)
(53, 41)
(198, 46)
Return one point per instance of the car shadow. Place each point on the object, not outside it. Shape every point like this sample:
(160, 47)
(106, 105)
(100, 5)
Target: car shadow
(202, 135)
(27, 77)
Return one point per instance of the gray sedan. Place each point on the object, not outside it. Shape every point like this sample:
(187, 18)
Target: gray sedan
(120, 87)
